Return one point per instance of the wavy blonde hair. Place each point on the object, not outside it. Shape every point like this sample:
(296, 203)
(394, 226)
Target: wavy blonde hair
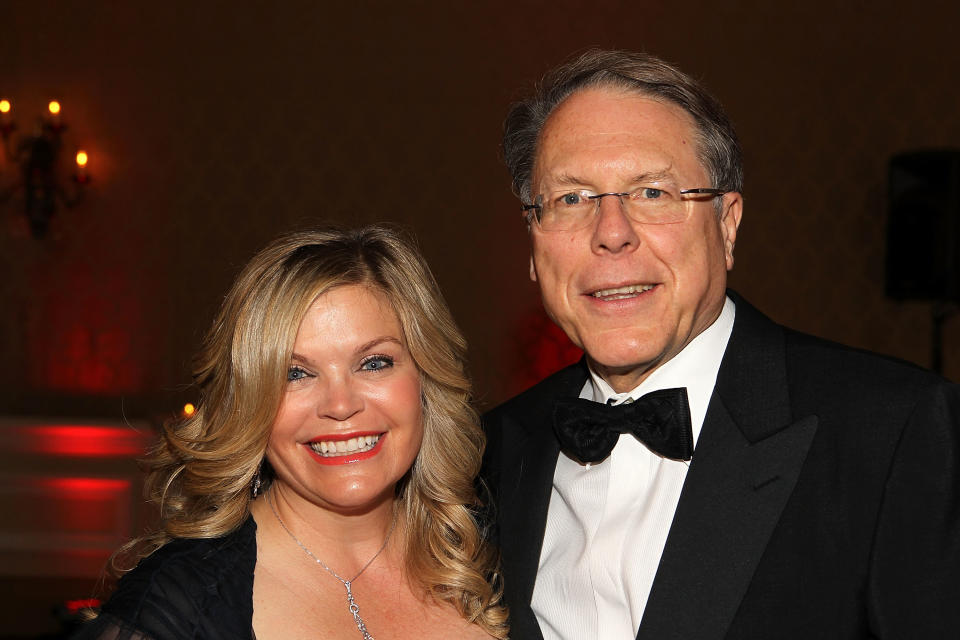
(200, 472)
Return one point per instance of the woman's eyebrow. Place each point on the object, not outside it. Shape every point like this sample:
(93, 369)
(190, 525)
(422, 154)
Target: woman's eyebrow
(297, 358)
(366, 346)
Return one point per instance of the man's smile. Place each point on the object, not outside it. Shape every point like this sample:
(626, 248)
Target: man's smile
(622, 292)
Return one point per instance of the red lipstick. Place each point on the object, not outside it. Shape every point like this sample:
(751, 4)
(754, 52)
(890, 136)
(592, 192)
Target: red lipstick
(346, 458)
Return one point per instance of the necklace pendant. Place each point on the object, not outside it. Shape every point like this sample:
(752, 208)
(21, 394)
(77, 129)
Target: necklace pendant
(351, 603)
(355, 612)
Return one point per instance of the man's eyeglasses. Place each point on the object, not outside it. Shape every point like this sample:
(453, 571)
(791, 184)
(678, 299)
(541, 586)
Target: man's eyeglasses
(572, 210)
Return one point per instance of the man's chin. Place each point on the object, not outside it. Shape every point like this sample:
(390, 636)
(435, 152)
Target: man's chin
(622, 363)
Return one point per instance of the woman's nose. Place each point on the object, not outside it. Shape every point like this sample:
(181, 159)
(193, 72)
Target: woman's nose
(340, 400)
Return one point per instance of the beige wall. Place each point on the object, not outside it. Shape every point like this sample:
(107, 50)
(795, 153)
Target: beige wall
(213, 126)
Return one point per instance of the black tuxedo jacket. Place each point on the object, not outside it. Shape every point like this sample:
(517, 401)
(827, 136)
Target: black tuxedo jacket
(822, 501)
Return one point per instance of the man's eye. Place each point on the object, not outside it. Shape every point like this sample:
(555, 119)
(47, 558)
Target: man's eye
(571, 199)
(295, 373)
(650, 193)
(376, 363)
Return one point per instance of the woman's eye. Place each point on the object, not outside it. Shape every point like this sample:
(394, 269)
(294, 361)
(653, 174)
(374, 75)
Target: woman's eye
(376, 363)
(295, 373)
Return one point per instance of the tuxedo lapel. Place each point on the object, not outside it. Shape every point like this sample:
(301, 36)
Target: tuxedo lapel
(744, 468)
(529, 458)
(730, 503)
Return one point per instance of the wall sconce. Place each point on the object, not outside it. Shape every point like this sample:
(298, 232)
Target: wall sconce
(37, 156)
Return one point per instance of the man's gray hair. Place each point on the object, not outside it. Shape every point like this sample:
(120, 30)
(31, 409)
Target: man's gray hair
(717, 147)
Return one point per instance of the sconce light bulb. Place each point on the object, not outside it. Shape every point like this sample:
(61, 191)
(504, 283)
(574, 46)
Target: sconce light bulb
(82, 158)
(54, 107)
(189, 409)
(4, 106)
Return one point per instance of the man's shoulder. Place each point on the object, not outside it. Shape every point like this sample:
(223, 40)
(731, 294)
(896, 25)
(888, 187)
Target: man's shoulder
(819, 369)
(819, 361)
(828, 378)
(541, 395)
(838, 361)
(804, 347)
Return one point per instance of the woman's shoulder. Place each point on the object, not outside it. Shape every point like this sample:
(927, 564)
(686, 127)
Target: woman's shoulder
(188, 588)
(197, 559)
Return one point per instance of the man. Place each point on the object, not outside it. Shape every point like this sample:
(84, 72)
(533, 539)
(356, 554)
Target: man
(822, 497)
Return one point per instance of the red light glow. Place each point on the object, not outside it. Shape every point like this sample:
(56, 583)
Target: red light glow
(85, 505)
(79, 337)
(83, 441)
(88, 487)
(544, 348)
(74, 606)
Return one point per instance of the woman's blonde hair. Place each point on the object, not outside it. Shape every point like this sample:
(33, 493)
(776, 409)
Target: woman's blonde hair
(201, 471)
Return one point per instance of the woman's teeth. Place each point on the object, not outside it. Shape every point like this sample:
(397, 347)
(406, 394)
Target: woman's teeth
(333, 448)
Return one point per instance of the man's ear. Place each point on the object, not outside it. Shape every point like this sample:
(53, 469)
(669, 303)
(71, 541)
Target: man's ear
(729, 223)
(533, 269)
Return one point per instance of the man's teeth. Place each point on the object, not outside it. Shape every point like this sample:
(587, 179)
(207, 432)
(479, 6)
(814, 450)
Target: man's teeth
(622, 292)
(333, 448)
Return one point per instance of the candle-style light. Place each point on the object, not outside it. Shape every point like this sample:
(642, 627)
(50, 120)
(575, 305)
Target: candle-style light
(41, 179)
(53, 107)
(81, 173)
(6, 118)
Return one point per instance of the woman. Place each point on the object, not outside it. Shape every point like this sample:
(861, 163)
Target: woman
(324, 488)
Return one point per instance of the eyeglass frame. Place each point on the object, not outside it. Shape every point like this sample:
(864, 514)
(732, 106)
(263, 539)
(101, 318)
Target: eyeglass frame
(527, 213)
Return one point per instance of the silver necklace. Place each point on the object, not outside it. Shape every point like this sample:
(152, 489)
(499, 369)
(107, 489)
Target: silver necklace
(348, 584)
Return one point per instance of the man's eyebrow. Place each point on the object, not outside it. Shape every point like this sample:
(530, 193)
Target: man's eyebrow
(653, 176)
(571, 180)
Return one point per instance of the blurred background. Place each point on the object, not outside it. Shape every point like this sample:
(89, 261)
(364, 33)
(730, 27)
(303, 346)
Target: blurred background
(210, 127)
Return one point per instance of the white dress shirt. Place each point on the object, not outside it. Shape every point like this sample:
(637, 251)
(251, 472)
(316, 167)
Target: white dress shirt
(608, 522)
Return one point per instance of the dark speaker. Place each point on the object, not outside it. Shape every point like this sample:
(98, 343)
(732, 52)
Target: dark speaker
(923, 230)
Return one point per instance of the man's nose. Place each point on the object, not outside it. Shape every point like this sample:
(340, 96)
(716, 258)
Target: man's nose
(613, 230)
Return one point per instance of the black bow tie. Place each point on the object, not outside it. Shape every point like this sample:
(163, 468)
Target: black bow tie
(589, 430)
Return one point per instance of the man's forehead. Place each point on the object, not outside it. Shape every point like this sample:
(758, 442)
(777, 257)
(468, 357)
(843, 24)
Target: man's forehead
(605, 111)
(626, 133)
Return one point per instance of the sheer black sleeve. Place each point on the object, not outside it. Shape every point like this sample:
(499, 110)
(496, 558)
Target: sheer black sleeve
(188, 589)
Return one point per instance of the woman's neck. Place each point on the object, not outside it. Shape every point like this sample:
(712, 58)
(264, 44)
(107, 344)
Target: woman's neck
(343, 540)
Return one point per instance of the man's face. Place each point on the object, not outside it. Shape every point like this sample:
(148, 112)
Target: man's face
(608, 140)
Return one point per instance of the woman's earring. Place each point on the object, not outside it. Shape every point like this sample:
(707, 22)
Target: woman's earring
(255, 483)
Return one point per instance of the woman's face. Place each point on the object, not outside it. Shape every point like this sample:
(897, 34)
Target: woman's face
(349, 425)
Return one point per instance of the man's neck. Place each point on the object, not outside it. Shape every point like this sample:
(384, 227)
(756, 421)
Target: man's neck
(622, 380)
(628, 378)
